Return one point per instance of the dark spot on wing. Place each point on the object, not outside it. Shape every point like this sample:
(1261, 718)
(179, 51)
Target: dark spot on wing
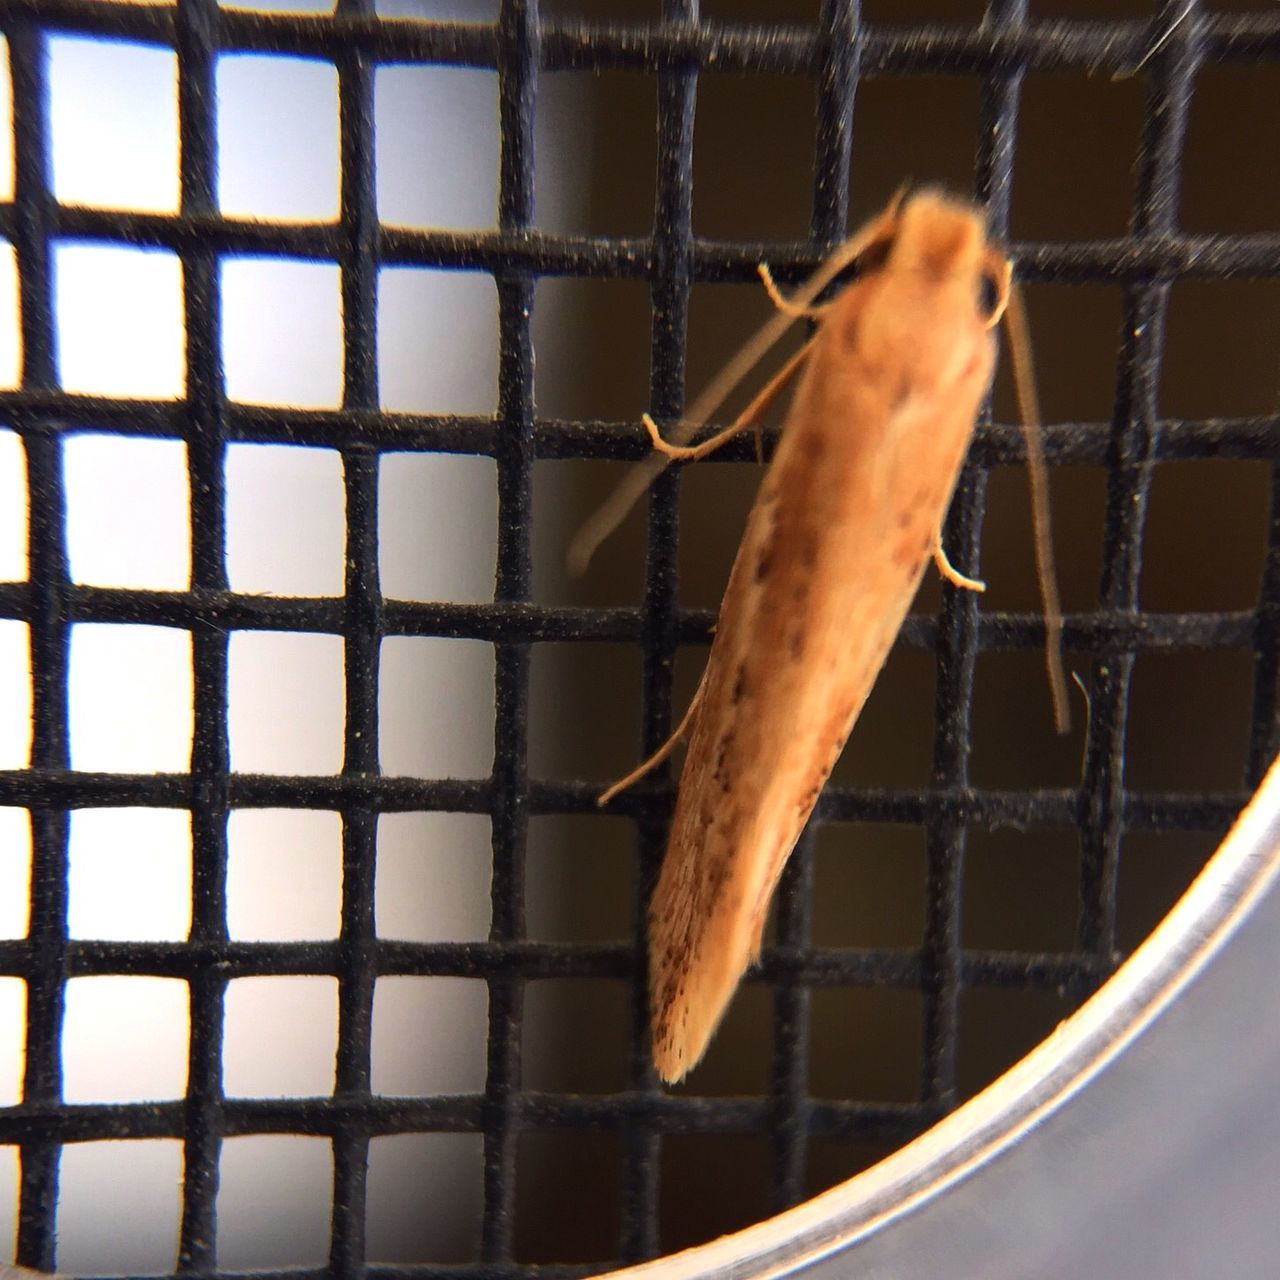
(765, 561)
(809, 548)
(722, 753)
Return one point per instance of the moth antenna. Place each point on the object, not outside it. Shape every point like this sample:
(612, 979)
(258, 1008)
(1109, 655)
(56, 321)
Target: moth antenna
(617, 506)
(1015, 319)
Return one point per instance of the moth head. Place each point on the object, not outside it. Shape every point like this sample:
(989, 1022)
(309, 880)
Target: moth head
(931, 234)
(939, 237)
(945, 240)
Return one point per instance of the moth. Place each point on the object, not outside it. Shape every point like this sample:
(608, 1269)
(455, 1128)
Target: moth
(848, 516)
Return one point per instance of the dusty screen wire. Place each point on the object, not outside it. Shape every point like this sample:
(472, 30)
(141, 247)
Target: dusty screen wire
(792, 1123)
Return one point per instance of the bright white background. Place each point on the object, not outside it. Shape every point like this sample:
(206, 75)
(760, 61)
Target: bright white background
(120, 332)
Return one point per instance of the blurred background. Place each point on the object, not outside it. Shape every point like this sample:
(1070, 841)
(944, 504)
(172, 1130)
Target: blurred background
(114, 130)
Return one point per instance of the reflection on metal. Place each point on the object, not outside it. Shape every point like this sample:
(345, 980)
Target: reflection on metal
(1139, 1138)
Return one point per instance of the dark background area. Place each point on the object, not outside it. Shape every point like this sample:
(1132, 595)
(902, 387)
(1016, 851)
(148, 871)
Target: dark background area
(1204, 549)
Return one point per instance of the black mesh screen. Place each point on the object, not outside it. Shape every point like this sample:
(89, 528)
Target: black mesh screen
(797, 1125)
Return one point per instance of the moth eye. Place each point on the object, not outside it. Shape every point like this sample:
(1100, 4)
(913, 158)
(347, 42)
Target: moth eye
(988, 296)
(872, 258)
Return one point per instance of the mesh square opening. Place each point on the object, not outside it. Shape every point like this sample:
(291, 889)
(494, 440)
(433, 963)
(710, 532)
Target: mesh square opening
(15, 694)
(429, 1035)
(1077, 136)
(425, 1197)
(282, 332)
(128, 511)
(124, 1039)
(832, 1160)
(428, 691)
(1216, 360)
(130, 874)
(6, 121)
(580, 879)
(285, 702)
(114, 124)
(1021, 890)
(13, 1013)
(13, 508)
(1155, 869)
(575, 1035)
(434, 877)
(737, 1163)
(437, 527)
(739, 1058)
(275, 1198)
(286, 520)
(752, 130)
(866, 1043)
(1179, 738)
(442, 121)
(9, 1179)
(437, 341)
(595, 152)
(1234, 111)
(120, 325)
(869, 885)
(582, 1227)
(130, 698)
(1015, 742)
(277, 138)
(15, 871)
(594, 734)
(930, 125)
(119, 1207)
(591, 338)
(284, 874)
(565, 494)
(1215, 561)
(892, 743)
(10, 335)
(280, 1035)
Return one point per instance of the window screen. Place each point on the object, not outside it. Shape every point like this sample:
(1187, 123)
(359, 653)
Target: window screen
(304, 722)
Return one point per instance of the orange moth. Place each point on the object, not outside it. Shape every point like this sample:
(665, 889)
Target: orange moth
(846, 520)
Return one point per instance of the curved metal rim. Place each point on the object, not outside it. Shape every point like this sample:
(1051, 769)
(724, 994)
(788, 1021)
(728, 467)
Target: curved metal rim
(1238, 875)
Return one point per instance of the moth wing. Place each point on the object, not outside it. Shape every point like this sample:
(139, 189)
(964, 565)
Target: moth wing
(834, 550)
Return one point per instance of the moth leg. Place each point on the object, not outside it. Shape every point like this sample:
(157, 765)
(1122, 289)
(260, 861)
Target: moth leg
(951, 573)
(784, 304)
(649, 765)
(749, 417)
